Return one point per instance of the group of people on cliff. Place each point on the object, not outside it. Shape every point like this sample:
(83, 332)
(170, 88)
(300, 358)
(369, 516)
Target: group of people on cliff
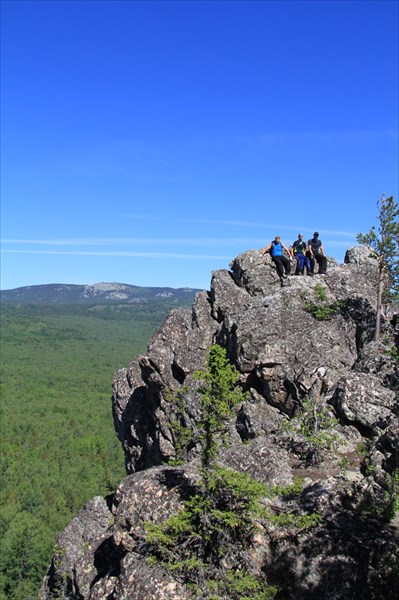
(306, 255)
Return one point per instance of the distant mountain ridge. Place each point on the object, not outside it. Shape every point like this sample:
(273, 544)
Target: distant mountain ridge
(99, 293)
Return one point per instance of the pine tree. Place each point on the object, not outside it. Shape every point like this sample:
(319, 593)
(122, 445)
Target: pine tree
(384, 242)
(204, 544)
(219, 396)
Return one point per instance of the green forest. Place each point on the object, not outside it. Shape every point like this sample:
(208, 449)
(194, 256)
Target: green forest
(58, 445)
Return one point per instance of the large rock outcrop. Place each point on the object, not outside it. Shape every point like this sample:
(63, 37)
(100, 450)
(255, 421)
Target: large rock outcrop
(308, 342)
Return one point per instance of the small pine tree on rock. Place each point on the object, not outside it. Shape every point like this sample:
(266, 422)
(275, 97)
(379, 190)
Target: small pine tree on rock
(384, 241)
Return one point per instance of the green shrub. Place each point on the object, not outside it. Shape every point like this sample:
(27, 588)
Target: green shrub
(194, 544)
(300, 521)
(315, 423)
(321, 310)
(320, 292)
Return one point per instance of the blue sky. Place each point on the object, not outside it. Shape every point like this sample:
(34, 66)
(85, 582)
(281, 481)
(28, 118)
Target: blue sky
(152, 142)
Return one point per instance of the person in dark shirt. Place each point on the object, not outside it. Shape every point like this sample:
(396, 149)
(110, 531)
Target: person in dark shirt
(316, 253)
(298, 251)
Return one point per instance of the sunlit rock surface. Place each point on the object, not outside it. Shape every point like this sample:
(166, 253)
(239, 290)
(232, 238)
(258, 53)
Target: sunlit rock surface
(284, 357)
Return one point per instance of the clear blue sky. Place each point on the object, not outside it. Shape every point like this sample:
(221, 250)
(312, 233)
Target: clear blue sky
(152, 142)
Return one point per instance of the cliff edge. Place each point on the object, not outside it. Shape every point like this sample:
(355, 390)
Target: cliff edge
(322, 405)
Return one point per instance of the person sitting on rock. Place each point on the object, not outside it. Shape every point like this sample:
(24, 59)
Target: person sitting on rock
(316, 253)
(298, 251)
(283, 264)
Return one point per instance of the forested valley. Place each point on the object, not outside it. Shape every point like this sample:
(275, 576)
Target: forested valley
(58, 444)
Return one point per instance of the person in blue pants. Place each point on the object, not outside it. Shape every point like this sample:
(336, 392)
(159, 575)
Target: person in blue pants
(283, 264)
(298, 251)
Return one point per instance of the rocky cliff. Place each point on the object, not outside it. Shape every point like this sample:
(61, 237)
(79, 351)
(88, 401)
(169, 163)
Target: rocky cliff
(322, 404)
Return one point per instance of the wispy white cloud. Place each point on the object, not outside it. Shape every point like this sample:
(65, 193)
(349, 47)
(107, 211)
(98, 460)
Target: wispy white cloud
(362, 136)
(241, 223)
(344, 137)
(253, 242)
(265, 140)
(242, 245)
(134, 241)
(117, 253)
(158, 160)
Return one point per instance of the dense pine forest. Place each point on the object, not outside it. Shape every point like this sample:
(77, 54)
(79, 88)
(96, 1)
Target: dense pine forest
(58, 445)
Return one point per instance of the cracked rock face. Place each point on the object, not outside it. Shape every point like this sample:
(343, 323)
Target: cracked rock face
(361, 399)
(276, 344)
(285, 357)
